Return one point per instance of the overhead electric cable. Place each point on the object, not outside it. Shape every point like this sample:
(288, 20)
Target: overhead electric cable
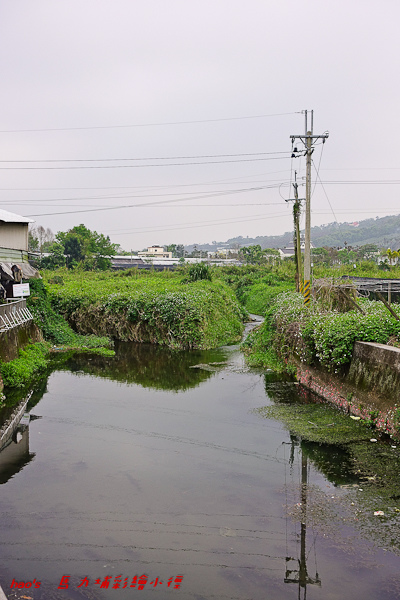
(224, 193)
(218, 222)
(189, 195)
(205, 162)
(150, 124)
(326, 195)
(53, 160)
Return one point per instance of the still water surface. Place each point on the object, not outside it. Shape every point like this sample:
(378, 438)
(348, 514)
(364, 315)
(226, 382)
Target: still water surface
(142, 464)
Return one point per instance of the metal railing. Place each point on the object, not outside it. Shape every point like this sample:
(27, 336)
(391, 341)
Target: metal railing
(14, 313)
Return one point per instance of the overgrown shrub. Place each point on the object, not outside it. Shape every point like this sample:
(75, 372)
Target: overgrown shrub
(53, 325)
(198, 272)
(156, 308)
(323, 337)
(31, 360)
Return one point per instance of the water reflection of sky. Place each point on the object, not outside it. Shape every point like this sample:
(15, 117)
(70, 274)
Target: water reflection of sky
(129, 479)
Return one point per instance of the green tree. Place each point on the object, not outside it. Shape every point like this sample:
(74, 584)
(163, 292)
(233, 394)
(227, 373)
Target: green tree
(347, 256)
(55, 259)
(180, 251)
(171, 248)
(252, 255)
(392, 255)
(84, 247)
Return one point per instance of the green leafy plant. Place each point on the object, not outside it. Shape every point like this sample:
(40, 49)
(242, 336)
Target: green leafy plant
(198, 272)
(31, 360)
(150, 307)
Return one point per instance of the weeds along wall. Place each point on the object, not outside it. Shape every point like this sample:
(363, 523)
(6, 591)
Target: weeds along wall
(319, 337)
(16, 339)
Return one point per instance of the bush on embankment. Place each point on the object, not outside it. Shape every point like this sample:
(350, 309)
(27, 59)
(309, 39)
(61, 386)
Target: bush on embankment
(316, 336)
(151, 307)
(35, 358)
(256, 286)
(32, 360)
(55, 328)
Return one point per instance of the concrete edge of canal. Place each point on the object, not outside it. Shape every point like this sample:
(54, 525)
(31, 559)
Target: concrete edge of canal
(372, 384)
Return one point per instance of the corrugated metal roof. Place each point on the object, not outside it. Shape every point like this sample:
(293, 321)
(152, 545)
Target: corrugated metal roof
(9, 217)
(28, 271)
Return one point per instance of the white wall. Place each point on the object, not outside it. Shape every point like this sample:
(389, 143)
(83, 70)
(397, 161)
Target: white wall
(14, 235)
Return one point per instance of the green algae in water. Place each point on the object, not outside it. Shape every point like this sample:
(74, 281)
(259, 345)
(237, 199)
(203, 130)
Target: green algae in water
(375, 465)
(317, 423)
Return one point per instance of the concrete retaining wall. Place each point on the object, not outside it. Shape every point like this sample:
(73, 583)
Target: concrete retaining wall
(13, 340)
(375, 369)
(372, 384)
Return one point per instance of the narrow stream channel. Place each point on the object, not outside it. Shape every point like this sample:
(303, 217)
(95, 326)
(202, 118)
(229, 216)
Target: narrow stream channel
(155, 463)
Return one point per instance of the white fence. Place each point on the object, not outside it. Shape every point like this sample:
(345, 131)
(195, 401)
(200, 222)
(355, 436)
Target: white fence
(14, 313)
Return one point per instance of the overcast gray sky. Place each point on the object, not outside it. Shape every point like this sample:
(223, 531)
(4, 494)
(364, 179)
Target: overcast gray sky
(187, 106)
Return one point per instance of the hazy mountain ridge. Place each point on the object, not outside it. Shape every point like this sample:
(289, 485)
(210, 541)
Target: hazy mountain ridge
(382, 231)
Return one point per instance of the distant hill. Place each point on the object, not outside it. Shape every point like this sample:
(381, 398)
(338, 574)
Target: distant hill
(383, 231)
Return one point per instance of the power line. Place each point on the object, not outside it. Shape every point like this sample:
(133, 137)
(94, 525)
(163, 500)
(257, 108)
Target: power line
(224, 193)
(206, 162)
(202, 224)
(224, 181)
(189, 195)
(165, 123)
(57, 160)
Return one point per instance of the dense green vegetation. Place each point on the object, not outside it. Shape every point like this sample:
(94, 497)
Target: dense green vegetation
(58, 335)
(316, 335)
(160, 308)
(255, 286)
(31, 360)
(56, 329)
(81, 247)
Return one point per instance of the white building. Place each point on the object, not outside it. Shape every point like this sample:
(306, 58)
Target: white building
(289, 251)
(14, 246)
(155, 251)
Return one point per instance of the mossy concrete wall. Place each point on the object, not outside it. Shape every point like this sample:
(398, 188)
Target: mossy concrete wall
(375, 369)
(13, 340)
(371, 385)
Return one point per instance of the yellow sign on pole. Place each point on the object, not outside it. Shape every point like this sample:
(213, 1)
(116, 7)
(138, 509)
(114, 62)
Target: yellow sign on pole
(307, 293)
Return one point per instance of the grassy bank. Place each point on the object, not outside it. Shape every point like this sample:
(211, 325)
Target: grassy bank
(160, 308)
(256, 286)
(315, 335)
(32, 360)
(58, 335)
(56, 330)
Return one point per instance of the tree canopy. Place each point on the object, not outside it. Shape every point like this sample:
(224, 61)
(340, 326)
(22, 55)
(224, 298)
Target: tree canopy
(80, 246)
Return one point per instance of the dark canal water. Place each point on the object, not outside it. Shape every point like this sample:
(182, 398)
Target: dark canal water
(142, 464)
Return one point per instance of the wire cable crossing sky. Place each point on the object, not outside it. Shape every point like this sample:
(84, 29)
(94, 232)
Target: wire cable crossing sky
(170, 122)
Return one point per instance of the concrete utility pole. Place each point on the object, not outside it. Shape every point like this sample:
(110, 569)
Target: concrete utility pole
(296, 219)
(307, 139)
(296, 237)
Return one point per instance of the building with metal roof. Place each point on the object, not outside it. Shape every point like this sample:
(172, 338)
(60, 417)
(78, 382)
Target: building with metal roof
(14, 248)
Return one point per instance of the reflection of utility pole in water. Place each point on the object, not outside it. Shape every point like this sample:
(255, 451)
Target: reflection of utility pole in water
(300, 575)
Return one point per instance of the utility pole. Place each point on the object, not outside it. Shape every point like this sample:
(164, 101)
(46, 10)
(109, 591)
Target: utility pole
(307, 139)
(296, 219)
(296, 236)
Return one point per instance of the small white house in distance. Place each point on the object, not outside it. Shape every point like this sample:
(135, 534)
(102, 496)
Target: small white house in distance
(289, 251)
(155, 251)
